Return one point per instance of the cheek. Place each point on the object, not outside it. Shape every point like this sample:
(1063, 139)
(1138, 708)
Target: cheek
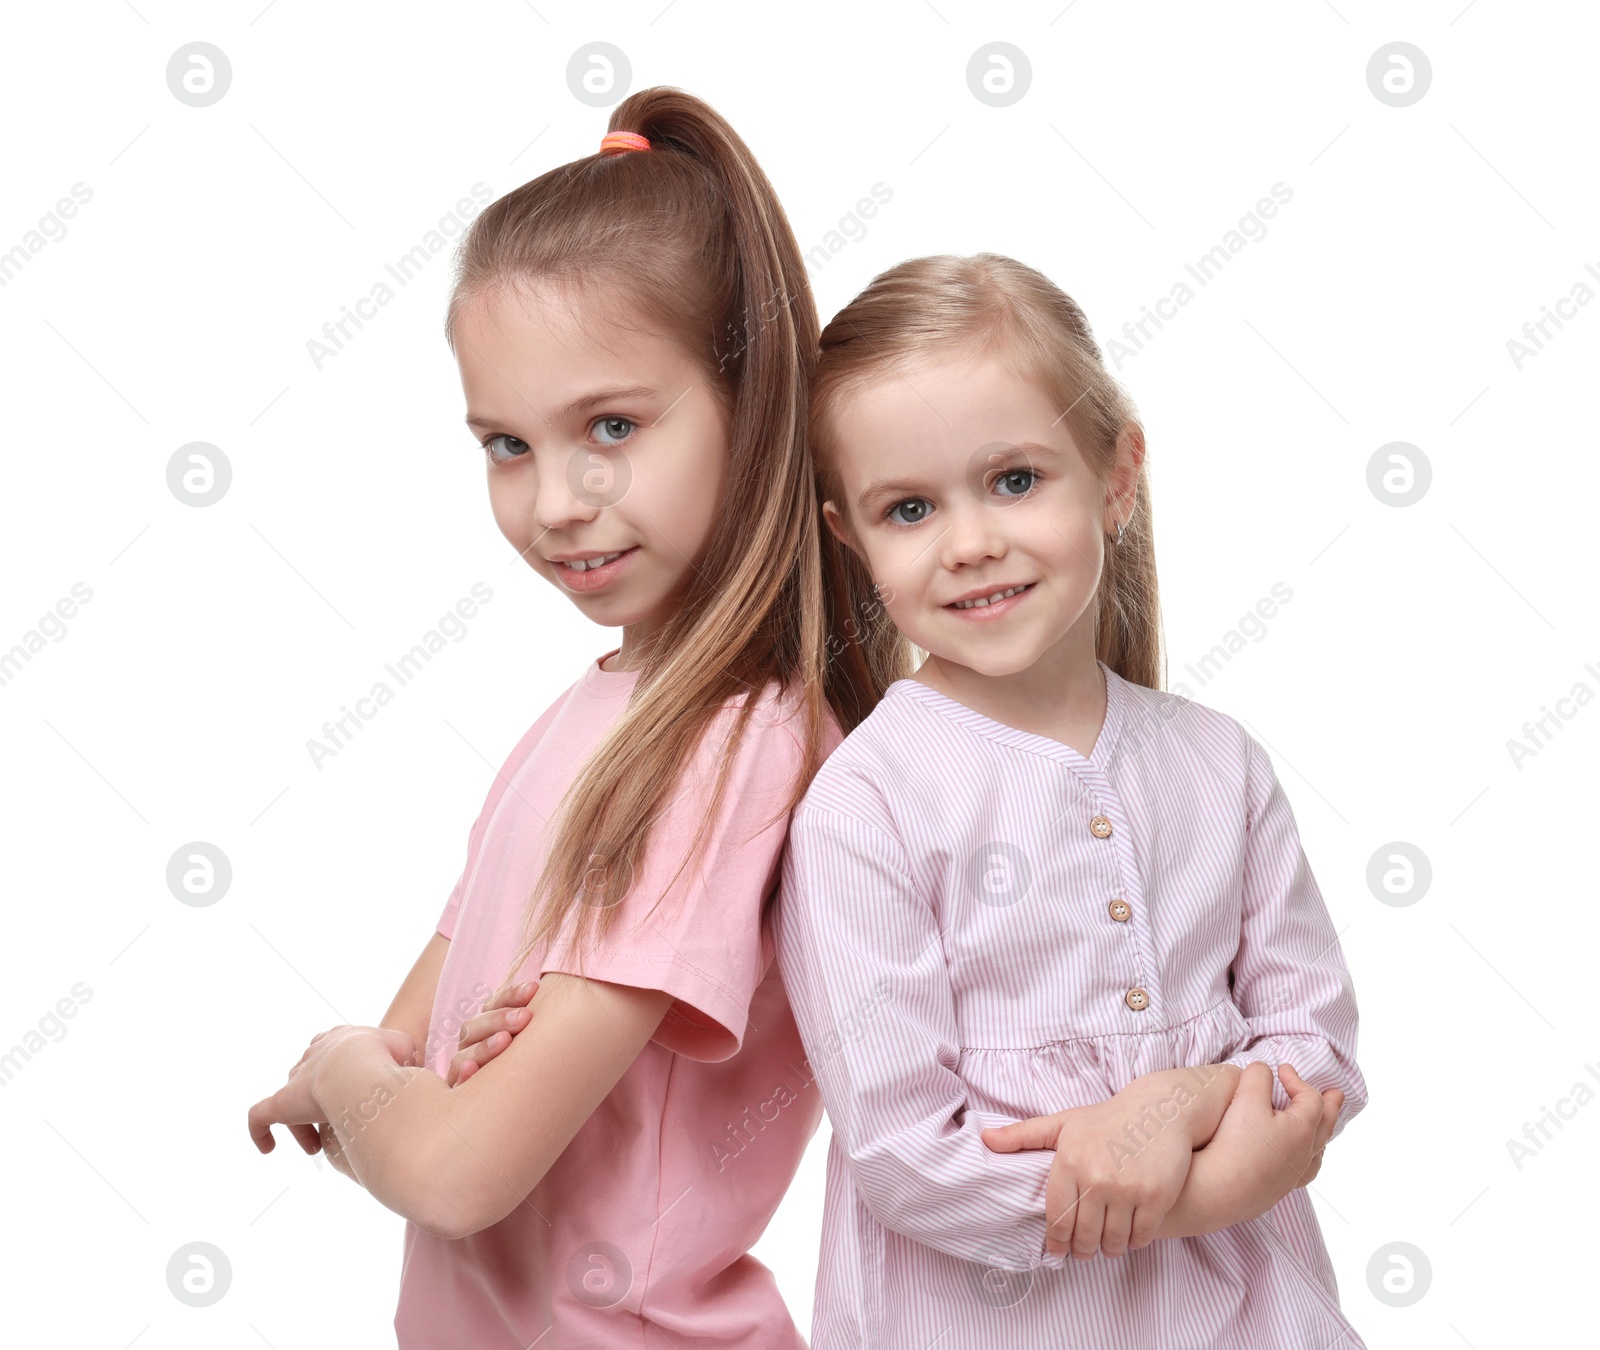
(678, 496)
(1072, 546)
(511, 513)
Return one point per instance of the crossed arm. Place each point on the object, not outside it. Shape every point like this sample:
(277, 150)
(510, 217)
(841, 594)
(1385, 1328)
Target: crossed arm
(455, 1160)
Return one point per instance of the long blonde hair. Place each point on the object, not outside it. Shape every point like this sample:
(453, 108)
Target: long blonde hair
(988, 303)
(692, 232)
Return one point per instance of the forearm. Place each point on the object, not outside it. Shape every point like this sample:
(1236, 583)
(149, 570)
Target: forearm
(1193, 1099)
(333, 1151)
(1209, 1201)
(388, 1120)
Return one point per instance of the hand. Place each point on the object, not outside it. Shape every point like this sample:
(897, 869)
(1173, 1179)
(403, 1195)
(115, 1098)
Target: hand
(1258, 1154)
(295, 1103)
(486, 1035)
(1118, 1168)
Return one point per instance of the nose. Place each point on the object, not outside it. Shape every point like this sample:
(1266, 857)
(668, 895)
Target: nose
(563, 500)
(973, 534)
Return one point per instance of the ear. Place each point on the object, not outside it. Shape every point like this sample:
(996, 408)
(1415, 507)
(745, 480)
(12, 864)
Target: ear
(1123, 485)
(838, 526)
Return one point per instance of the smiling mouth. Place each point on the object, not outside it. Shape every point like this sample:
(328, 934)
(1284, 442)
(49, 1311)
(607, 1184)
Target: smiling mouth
(984, 601)
(587, 564)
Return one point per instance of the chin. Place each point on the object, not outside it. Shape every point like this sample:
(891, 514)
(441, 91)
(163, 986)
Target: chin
(994, 661)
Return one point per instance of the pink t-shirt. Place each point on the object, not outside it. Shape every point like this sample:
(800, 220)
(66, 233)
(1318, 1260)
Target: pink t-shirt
(645, 1222)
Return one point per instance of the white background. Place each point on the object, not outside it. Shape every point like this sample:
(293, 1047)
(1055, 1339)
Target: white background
(178, 705)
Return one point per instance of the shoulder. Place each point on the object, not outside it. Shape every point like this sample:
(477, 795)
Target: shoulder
(1160, 719)
(530, 739)
(770, 724)
(868, 771)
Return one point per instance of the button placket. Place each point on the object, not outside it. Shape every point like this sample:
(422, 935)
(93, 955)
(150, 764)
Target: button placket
(1137, 997)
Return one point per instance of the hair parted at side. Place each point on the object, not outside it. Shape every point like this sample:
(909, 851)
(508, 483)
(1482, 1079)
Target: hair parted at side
(994, 305)
(691, 235)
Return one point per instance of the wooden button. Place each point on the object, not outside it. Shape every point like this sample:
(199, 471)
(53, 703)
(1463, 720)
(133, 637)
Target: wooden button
(1100, 827)
(1120, 910)
(1137, 999)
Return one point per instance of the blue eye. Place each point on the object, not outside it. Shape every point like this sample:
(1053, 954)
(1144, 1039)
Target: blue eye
(613, 430)
(514, 448)
(1016, 482)
(916, 509)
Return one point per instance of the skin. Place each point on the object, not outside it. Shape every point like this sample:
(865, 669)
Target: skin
(599, 436)
(566, 390)
(985, 491)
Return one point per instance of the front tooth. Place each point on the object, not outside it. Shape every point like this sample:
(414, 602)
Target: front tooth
(984, 603)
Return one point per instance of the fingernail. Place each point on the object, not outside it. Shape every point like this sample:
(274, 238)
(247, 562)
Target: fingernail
(516, 1015)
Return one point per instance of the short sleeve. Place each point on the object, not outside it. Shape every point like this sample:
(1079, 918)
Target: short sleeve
(694, 928)
(446, 927)
(447, 920)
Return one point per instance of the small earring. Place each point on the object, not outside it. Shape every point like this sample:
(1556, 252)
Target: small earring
(1118, 539)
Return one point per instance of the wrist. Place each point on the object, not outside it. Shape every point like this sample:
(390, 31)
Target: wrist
(357, 1058)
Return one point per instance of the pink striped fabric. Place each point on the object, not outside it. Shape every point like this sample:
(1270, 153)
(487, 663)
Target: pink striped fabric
(948, 942)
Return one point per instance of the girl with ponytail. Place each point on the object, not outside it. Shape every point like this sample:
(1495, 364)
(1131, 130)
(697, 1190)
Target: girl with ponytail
(635, 334)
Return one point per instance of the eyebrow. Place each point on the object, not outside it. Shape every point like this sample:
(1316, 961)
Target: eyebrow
(883, 487)
(908, 487)
(594, 400)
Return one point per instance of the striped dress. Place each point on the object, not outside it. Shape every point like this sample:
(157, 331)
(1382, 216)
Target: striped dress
(978, 925)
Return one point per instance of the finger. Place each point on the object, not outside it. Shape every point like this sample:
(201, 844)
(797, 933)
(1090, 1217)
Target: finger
(1146, 1224)
(309, 1137)
(261, 1117)
(1060, 1210)
(1118, 1228)
(1332, 1104)
(1089, 1227)
(1039, 1132)
(517, 995)
(1255, 1082)
(467, 1070)
(485, 1024)
(478, 1055)
(400, 1045)
(1305, 1102)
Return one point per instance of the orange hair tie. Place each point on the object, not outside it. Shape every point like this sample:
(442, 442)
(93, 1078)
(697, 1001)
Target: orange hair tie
(620, 142)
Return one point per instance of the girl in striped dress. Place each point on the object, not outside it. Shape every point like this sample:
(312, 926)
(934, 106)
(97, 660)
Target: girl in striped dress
(1047, 929)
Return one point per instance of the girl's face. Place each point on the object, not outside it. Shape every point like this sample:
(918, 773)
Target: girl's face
(604, 443)
(961, 482)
